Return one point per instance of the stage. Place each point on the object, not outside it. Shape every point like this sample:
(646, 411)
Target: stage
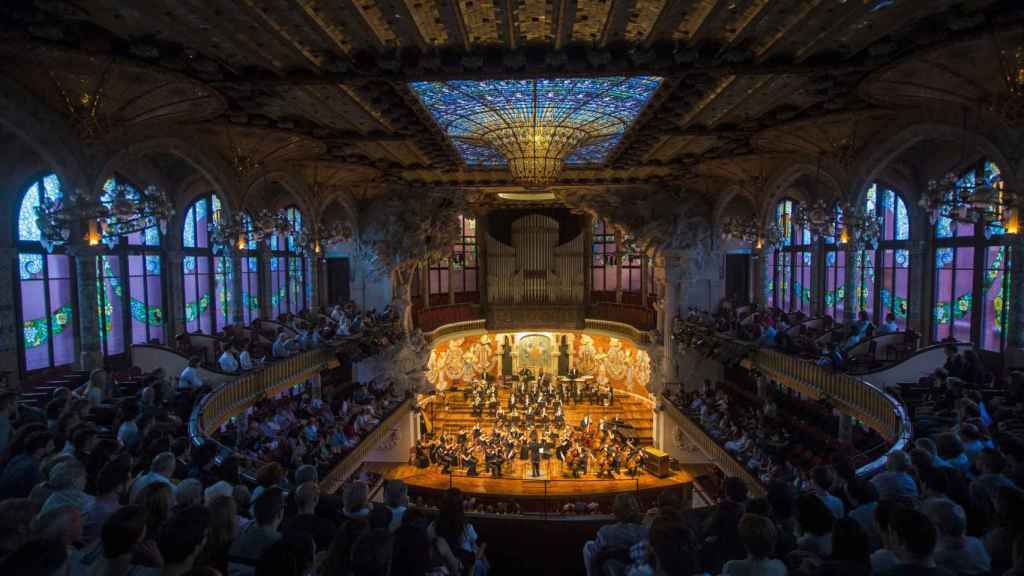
(431, 479)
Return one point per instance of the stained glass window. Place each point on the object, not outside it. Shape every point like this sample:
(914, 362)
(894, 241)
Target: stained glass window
(110, 304)
(792, 266)
(146, 305)
(250, 274)
(969, 256)
(148, 237)
(456, 274)
(45, 286)
(483, 116)
(207, 278)
(631, 273)
(604, 267)
(288, 269)
(835, 284)
(278, 286)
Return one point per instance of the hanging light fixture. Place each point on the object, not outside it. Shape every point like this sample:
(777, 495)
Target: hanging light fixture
(55, 218)
(743, 230)
(817, 217)
(129, 210)
(858, 227)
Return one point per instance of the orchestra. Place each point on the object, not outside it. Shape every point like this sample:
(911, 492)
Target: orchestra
(531, 427)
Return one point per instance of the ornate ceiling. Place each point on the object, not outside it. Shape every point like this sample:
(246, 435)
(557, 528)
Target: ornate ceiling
(326, 83)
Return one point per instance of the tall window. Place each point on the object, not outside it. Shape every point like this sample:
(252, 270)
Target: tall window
(791, 265)
(835, 273)
(207, 278)
(287, 268)
(892, 260)
(631, 273)
(129, 290)
(45, 286)
(972, 273)
(250, 273)
(604, 267)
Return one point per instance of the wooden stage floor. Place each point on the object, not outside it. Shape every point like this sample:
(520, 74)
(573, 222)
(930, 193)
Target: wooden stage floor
(516, 484)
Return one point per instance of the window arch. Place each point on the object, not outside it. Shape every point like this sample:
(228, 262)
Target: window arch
(892, 258)
(207, 277)
(46, 309)
(791, 264)
(972, 272)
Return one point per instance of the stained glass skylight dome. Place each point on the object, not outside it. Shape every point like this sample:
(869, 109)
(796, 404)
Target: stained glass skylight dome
(535, 126)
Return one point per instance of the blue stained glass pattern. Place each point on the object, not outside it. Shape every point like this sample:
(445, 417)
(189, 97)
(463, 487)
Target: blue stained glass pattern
(190, 227)
(477, 155)
(27, 229)
(467, 110)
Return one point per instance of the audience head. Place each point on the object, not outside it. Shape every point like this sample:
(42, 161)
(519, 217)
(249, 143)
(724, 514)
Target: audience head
(758, 535)
(914, 532)
(674, 548)
(183, 536)
(306, 473)
(356, 496)
(823, 477)
(735, 490)
(164, 464)
(371, 554)
(188, 493)
(947, 516)
(16, 516)
(307, 495)
(626, 508)
(814, 516)
(395, 493)
(268, 508)
(897, 461)
(223, 520)
(850, 541)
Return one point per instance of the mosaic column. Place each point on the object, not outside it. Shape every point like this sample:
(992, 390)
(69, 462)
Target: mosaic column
(1015, 312)
(919, 309)
(8, 317)
(314, 280)
(851, 286)
(764, 277)
(237, 316)
(266, 290)
(175, 317)
(89, 350)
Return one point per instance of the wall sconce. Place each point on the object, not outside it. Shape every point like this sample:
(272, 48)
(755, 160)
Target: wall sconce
(844, 236)
(1012, 221)
(93, 235)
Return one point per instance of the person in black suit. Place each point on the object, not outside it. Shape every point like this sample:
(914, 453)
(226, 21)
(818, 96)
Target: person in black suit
(535, 458)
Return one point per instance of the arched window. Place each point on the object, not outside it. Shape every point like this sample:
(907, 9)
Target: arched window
(604, 268)
(207, 277)
(129, 289)
(892, 259)
(791, 263)
(287, 268)
(45, 286)
(969, 258)
(250, 272)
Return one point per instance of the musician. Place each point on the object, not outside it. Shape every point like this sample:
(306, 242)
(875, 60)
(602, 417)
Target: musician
(585, 423)
(422, 455)
(535, 453)
(471, 462)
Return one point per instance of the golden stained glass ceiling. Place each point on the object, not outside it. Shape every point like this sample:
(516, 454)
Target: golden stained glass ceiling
(533, 126)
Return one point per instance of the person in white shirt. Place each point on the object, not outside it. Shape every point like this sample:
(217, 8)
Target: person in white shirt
(190, 378)
(245, 359)
(227, 361)
(282, 348)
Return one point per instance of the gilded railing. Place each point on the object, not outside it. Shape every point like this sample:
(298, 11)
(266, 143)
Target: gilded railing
(455, 328)
(631, 332)
(342, 470)
(852, 395)
(235, 396)
(714, 452)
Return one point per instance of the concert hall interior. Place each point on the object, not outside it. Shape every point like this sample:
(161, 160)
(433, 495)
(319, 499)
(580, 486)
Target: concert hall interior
(489, 287)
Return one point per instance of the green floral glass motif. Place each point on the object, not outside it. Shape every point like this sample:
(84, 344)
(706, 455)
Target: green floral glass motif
(35, 332)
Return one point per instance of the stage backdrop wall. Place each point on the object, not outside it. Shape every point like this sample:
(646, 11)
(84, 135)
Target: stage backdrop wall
(609, 359)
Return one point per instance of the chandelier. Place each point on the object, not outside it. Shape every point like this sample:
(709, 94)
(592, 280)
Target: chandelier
(120, 211)
(228, 234)
(860, 228)
(774, 236)
(741, 230)
(128, 211)
(534, 127)
(969, 200)
(817, 217)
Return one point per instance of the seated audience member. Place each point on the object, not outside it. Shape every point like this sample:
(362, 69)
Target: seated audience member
(282, 345)
(68, 482)
(182, 539)
(916, 538)
(356, 496)
(896, 482)
(228, 360)
(955, 551)
(245, 553)
(863, 499)
(460, 549)
(161, 470)
(245, 357)
(111, 485)
(23, 472)
(189, 379)
(889, 326)
(851, 551)
(397, 500)
(121, 539)
(758, 535)
(16, 516)
(63, 524)
(307, 496)
(223, 528)
(624, 533)
(815, 520)
(822, 479)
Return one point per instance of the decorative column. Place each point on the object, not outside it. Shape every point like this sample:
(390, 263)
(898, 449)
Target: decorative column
(90, 354)
(818, 278)
(1015, 312)
(851, 285)
(314, 279)
(920, 287)
(237, 313)
(176, 296)
(266, 285)
(8, 316)
(764, 278)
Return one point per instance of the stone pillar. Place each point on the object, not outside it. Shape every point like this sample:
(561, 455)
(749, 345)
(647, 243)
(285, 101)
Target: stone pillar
(1015, 313)
(852, 304)
(818, 278)
(8, 317)
(674, 274)
(266, 293)
(90, 353)
(175, 297)
(237, 312)
(765, 278)
(314, 279)
(920, 288)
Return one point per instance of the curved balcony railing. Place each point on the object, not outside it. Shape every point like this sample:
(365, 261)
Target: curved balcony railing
(713, 450)
(342, 470)
(852, 395)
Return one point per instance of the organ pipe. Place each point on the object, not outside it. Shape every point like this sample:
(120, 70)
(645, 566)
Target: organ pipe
(535, 270)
